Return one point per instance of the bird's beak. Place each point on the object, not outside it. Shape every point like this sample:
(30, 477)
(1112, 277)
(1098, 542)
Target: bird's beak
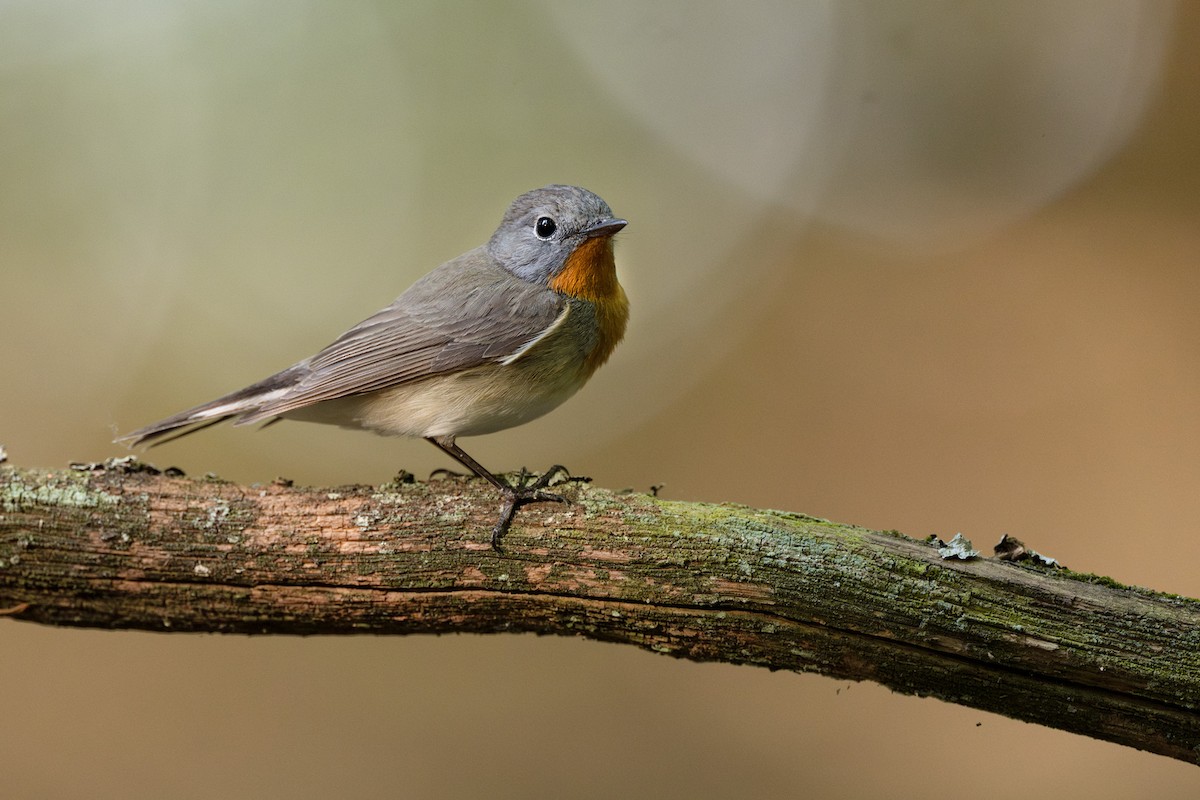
(605, 227)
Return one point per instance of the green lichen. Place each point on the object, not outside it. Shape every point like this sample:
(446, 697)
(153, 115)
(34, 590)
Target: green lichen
(1099, 580)
(64, 491)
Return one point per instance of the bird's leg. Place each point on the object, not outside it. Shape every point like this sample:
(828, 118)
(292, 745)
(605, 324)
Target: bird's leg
(514, 496)
(446, 445)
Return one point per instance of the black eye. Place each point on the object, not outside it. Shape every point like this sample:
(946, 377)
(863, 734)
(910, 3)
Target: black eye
(545, 227)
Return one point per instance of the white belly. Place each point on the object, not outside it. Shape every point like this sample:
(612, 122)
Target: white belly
(478, 401)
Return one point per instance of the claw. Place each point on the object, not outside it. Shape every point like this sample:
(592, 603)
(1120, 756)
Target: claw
(524, 493)
(514, 496)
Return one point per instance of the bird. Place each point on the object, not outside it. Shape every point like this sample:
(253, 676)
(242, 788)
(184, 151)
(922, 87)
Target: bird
(489, 340)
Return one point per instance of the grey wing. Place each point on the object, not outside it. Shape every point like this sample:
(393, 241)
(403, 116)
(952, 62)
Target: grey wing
(466, 313)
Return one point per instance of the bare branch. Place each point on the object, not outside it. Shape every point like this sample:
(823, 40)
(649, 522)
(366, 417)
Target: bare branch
(118, 548)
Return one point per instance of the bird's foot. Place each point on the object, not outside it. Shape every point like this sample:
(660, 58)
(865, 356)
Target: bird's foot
(523, 493)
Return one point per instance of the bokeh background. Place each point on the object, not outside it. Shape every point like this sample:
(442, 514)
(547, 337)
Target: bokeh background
(930, 266)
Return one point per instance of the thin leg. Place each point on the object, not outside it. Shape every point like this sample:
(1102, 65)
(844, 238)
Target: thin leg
(514, 496)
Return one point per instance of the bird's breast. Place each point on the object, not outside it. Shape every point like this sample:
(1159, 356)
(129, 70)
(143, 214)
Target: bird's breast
(600, 309)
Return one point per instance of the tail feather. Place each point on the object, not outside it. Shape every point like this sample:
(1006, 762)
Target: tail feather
(163, 432)
(235, 404)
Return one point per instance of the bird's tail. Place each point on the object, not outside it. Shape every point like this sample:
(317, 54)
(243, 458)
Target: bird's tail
(236, 404)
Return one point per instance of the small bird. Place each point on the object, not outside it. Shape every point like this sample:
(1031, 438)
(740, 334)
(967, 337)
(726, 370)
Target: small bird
(492, 339)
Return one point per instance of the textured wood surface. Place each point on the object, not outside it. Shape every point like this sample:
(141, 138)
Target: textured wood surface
(127, 548)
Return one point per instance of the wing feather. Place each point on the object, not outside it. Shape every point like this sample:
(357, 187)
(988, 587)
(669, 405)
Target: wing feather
(464, 314)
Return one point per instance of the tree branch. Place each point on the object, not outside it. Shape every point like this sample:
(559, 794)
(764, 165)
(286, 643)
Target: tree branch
(122, 548)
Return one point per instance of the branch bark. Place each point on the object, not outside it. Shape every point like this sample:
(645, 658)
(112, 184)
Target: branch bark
(124, 547)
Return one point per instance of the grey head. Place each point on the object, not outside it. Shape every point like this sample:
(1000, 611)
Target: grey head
(542, 227)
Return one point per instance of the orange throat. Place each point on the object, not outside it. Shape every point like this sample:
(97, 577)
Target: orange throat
(591, 274)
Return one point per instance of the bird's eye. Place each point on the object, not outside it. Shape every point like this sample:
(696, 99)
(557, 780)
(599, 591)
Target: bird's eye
(545, 227)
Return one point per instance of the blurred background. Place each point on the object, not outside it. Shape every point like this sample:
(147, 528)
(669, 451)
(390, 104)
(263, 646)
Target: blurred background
(930, 266)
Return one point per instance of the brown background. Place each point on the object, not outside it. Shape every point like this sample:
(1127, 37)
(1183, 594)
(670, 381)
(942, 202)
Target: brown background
(929, 266)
